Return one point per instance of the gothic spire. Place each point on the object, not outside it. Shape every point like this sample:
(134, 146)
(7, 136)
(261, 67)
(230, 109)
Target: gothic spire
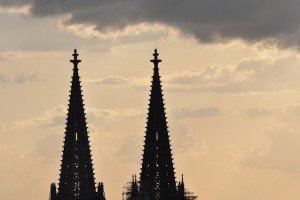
(76, 180)
(157, 175)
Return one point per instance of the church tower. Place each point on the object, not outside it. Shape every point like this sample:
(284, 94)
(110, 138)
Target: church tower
(157, 177)
(77, 181)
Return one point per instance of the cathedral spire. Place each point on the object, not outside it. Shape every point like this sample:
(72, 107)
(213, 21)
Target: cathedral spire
(76, 180)
(157, 175)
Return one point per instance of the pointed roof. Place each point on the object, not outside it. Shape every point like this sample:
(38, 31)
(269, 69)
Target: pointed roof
(157, 173)
(76, 176)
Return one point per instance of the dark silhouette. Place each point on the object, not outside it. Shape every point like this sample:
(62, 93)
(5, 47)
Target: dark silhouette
(76, 180)
(157, 178)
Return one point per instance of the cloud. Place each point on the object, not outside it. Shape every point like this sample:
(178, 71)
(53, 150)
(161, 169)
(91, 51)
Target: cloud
(130, 150)
(14, 3)
(283, 154)
(2, 127)
(48, 148)
(196, 112)
(282, 113)
(250, 75)
(183, 140)
(120, 81)
(2, 78)
(52, 117)
(257, 112)
(255, 74)
(111, 80)
(207, 20)
(113, 115)
(22, 78)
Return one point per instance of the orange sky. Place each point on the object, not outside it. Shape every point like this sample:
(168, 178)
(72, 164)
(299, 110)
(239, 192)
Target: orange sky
(233, 107)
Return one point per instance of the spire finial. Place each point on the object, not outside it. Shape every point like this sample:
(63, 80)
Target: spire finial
(75, 56)
(155, 60)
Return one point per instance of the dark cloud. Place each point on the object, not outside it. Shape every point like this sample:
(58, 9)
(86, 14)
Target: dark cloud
(14, 3)
(207, 20)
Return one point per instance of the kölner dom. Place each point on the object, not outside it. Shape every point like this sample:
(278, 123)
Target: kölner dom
(157, 177)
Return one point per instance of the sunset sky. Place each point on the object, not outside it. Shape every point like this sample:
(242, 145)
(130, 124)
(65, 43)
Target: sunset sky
(231, 77)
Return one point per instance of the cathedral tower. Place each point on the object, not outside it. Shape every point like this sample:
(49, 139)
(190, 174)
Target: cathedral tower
(157, 177)
(77, 181)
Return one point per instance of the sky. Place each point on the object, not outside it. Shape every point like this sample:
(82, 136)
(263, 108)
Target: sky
(230, 73)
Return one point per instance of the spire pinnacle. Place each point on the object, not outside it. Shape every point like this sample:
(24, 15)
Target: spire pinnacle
(75, 56)
(155, 60)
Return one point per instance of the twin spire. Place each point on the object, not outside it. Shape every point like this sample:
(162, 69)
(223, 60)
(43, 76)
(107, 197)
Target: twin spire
(77, 181)
(157, 178)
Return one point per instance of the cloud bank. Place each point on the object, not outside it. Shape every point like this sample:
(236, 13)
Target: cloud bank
(206, 20)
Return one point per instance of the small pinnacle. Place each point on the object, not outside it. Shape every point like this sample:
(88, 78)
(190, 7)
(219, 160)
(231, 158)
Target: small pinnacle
(75, 56)
(155, 60)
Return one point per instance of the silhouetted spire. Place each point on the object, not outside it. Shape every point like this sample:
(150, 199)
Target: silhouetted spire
(157, 173)
(76, 180)
(157, 178)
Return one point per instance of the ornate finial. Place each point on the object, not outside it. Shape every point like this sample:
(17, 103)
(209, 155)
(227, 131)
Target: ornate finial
(75, 55)
(155, 60)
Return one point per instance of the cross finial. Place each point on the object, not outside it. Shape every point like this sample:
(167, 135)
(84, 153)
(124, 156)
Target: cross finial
(155, 60)
(75, 55)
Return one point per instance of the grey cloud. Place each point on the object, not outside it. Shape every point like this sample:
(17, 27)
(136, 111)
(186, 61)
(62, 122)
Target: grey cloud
(14, 3)
(207, 20)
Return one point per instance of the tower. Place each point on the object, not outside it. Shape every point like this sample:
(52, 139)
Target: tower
(157, 177)
(76, 180)
(157, 174)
